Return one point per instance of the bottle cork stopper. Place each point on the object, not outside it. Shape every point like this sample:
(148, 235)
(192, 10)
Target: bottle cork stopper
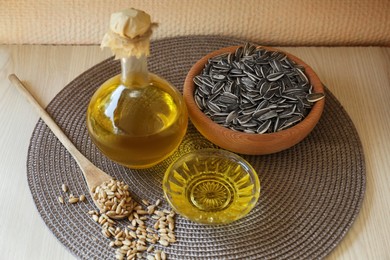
(129, 33)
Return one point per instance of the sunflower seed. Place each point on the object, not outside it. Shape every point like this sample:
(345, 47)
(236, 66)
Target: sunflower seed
(198, 101)
(276, 124)
(217, 87)
(218, 77)
(268, 115)
(301, 75)
(228, 99)
(263, 127)
(249, 111)
(205, 90)
(238, 53)
(237, 72)
(290, 97)
(265, 86)
(244, 119)
(292, 120)
(263, 104)
(248, 82)
(261, 112)
(198, 80)
(222, 67)
(213, 107)
(314, 97)
(276, 65)
(232, 115)
(287, 113)
(270, 93)
(275, 76)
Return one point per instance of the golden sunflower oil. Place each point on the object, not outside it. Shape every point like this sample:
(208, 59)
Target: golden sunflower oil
(137, 126)
(211, 186)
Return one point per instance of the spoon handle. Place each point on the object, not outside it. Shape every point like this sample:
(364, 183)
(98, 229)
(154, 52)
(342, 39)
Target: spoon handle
(81, 160)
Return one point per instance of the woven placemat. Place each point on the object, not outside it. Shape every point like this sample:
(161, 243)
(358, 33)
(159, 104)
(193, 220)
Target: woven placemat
(310, 193)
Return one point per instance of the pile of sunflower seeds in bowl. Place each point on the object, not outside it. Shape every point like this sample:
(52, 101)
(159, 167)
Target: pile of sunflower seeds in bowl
(254, 90)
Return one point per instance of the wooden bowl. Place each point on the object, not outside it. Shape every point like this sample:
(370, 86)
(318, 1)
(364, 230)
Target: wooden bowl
(248, 143)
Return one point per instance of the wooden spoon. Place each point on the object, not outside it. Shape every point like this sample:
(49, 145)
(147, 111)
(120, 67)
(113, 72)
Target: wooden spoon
(93, 175)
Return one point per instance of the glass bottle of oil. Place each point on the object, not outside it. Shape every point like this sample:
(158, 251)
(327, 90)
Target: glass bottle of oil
(136, 118)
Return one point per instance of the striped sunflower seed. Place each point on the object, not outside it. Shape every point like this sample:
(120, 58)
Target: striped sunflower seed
(314, 97)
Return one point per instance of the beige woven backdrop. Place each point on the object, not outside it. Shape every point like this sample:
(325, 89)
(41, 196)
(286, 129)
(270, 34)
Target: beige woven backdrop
(276, 22)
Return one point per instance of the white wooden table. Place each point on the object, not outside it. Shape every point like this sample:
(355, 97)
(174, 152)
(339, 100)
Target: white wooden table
(358, 76)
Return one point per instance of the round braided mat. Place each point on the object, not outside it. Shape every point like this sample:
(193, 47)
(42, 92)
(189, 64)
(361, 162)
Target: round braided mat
(310, 193)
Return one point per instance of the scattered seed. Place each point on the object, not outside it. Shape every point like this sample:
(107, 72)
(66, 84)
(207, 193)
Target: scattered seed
(150, 248)
(163, 242)
(106, 233)
(145, 202)
(171, 226)
(118, 243)
(163, 255)
(64, 188)
(158, 255)
(73, 200)
(142, 212)
(151, 209)
(61, 199)
(95, 218)
(82, 198)
(159, 213)
(141, 248)
(133, 234)
(140, 222)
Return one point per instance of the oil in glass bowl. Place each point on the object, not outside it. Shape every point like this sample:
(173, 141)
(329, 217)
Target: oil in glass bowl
(211, 186)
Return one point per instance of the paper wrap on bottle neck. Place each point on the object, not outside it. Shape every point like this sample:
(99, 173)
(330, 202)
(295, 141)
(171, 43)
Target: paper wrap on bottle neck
(129, 34)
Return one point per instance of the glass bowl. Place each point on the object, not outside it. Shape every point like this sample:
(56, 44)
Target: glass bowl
(211, 186)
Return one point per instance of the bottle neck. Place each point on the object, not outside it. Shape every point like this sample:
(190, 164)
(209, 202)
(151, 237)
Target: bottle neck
(134, 71)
